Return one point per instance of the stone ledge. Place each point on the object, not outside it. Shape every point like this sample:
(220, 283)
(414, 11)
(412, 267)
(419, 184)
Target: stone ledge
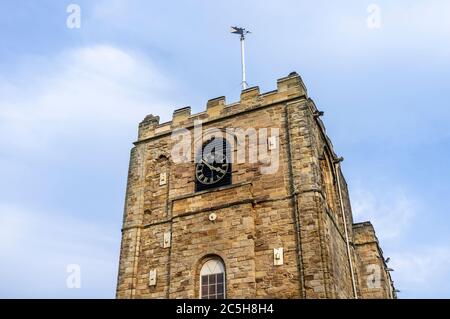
(208, 199)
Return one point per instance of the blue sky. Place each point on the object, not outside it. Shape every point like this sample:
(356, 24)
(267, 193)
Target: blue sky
(71, 99)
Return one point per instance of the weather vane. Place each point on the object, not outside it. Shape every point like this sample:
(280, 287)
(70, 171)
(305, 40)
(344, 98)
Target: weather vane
(242, 32)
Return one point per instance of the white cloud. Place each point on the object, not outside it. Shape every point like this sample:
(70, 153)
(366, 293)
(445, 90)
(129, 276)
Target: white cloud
(15, 227)
(324, 25)
(79, 92)
(430, 17)
(422, 271)
(36, 248)
(391, 212)
(66, 124)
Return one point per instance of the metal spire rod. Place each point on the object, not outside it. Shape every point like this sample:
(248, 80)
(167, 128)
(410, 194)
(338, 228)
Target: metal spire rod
(242, 32)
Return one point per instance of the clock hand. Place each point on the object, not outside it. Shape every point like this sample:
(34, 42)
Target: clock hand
(207, 164)
(217, 169)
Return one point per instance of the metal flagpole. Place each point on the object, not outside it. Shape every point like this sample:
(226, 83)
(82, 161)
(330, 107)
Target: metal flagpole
(242, 32)
(244, 81)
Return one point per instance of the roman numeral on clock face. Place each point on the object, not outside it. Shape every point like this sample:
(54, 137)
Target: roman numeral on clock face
(213, 168)
(210, 173)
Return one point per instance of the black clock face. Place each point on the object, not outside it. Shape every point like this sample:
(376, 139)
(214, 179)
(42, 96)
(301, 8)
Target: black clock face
(212, 168)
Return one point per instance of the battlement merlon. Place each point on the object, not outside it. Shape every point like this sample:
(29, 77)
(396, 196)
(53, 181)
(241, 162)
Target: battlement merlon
(289, 87)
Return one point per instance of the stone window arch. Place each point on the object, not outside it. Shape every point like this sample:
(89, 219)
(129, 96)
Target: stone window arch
(212, 279)
(329, 182)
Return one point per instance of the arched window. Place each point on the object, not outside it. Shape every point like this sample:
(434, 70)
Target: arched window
(328, 181)
(212, 279)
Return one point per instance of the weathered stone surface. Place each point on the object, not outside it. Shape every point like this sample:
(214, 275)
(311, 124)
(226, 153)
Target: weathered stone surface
(297, 208)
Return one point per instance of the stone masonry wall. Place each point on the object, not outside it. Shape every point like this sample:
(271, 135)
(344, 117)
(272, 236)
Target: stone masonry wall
(374, 278)
(257, 213)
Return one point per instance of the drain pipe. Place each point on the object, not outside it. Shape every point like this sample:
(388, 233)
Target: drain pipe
(337, 169)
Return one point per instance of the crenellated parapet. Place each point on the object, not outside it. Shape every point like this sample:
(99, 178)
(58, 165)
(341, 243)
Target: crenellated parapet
(147, 126)
(289, 87)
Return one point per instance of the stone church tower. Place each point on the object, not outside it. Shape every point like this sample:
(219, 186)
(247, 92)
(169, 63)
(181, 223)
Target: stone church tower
(275, 227)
